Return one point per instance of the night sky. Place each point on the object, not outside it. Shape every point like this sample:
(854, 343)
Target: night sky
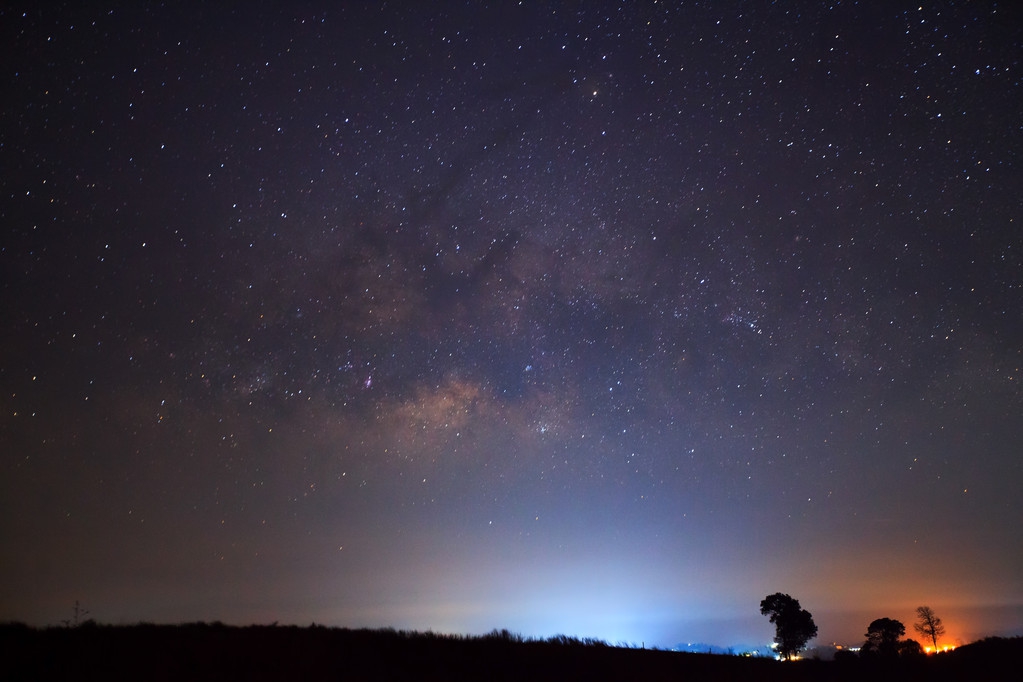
(604, 319)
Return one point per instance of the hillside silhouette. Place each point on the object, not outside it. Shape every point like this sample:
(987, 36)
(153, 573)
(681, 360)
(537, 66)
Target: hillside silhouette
(203, 651)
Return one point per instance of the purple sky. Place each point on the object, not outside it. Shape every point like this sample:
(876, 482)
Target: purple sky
(601, 320)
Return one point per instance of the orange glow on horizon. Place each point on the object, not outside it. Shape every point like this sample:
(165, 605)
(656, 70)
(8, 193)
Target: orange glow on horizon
(942, 648)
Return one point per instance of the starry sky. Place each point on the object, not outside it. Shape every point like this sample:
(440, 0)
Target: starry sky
(604, 319)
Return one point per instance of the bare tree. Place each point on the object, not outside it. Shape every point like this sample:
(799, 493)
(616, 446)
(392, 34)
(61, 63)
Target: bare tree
(929, 624)
(79, 613)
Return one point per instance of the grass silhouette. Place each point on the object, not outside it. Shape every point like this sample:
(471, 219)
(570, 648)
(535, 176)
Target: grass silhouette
(208, 651)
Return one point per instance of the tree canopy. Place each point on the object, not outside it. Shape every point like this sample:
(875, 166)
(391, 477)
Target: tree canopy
(883, 637)
(793, 625)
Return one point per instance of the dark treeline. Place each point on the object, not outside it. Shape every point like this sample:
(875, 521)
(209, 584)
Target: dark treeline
(214, 651)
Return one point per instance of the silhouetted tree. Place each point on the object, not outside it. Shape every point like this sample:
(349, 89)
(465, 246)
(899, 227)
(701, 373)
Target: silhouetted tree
(793, 625)
(929, 625)
(910, 647)
(883, 637)
(79, 613)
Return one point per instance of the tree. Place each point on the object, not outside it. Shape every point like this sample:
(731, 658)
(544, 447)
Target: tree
(883, 637)
(793, 625)
(910, 647)
(929, 624)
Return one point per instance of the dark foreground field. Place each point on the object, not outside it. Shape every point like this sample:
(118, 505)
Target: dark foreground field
(207, 652)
